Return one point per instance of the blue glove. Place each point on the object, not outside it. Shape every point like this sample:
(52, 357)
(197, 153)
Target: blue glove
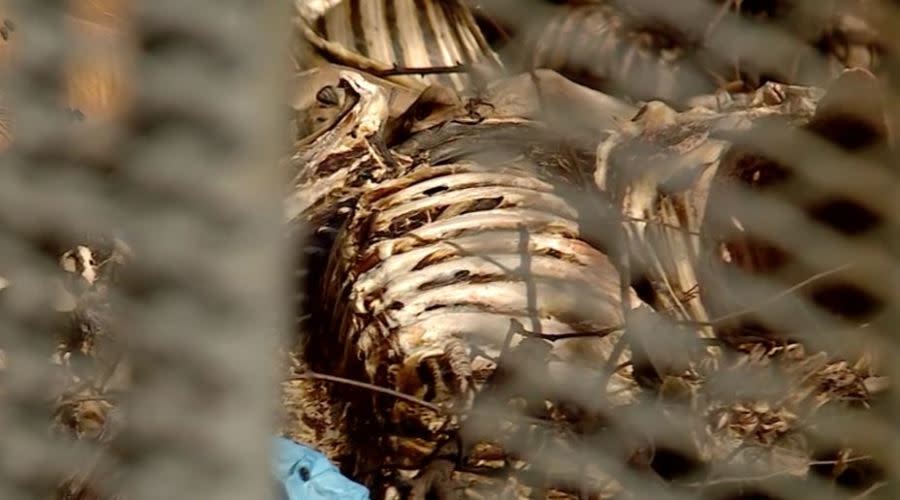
(306, 474)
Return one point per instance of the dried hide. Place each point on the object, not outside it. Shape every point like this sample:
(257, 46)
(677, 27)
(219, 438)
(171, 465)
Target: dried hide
(699, 191)
(658, 170)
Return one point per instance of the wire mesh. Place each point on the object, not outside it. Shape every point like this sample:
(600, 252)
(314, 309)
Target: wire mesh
(179, 172)
(652, 256)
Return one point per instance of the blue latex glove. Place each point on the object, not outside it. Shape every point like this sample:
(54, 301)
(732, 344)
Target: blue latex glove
(306, 474)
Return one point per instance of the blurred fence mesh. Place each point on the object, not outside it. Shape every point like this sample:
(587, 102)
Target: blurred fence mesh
(184, 173)
(146, 290)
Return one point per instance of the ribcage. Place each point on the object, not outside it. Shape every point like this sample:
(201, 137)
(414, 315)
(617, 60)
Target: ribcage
(439, 262)
(433, 261)
(644, 50)
(595, 45)
(405, 34)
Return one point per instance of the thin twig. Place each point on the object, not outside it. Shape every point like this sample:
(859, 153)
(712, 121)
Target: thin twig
(714, 322)
(841, 462)
(769, 475)
(424, 70)
(757, 307)
(661, 223)
(527, 276)
(723, 10)
(552, 337)
(465, 253)
(737, 479)
(339, 54)
(309, 375)
(85, 399)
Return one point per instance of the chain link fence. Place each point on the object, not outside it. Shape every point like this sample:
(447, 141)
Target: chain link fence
(184, 173)
(670, 272)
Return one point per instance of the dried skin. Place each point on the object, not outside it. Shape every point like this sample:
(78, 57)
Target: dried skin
(659, 170)
(326, 168)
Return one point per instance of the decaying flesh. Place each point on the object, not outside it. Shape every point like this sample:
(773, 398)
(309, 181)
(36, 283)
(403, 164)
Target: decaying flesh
(444, 246)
